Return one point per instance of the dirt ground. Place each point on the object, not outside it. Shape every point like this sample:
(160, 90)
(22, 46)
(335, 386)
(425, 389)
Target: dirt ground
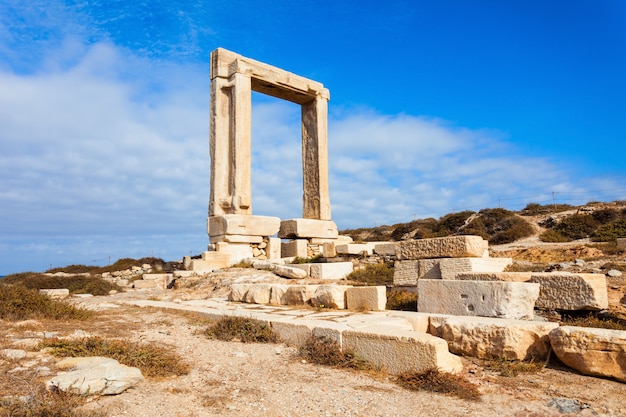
(237, 379)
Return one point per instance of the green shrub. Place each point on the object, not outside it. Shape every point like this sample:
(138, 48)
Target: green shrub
(244, 329)
(610, 232)
(499, 226)
(75, 283)
(552, 235)
(20, 303)
(373, 274)
(577, 226)
(606, 215)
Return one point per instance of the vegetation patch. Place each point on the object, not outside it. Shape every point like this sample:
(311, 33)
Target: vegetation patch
(608, 321)
(152, 360)
(441, 382)
(243, 329)
(401, 300)
(44, 403)
(326, 351)
(510, 368)
(533, 209)
(311, 260)
(373, 274)
(76, 284)
(499, 226)
(20, 303)
(610, 232)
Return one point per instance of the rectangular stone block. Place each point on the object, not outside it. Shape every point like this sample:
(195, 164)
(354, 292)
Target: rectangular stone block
(210, 261)
(405, 273)
(331, 271)
(292, 333)
(621, 243)
(236, 239)
(329, 250)
(511, 300)
(149, 283)
(367, 298)
(385, 249)
(330, 296)
(442, 247)
(567, 291)
(450, 267)
(494, 276)
(295, 248)
(307, 228)
(356, 248)
(273, 248)
(399, 351)
(484, 337)
(243, 224)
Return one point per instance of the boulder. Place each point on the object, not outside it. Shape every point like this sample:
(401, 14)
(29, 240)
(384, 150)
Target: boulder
(591, 351)
(258, 294)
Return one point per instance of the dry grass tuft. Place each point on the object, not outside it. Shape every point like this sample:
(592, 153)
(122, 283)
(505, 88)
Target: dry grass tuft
(20, 303)
(243, 329)
(153, 361)
(74, 283)
(510, 368)
(610, 321)
(326, 351)
(441, 382)
(401, 300)
(44, 403)
(373, 274)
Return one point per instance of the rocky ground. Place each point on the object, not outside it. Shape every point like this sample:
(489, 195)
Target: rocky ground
(235, 379)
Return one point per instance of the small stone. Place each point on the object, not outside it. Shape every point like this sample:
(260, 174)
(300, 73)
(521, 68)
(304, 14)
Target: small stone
(614, 273)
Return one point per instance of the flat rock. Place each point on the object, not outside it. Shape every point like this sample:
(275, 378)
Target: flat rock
(95, 376)
(289, 272)
(591, 351)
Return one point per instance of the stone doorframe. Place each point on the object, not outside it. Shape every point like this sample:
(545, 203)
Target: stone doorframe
(233, 78)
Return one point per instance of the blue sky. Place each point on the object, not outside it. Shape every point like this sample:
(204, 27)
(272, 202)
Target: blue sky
(435, 107)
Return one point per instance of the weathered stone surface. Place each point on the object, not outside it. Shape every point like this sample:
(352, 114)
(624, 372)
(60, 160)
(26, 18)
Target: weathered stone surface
(385, 249)
(567, 291)
(405, 273)
(494, 276)
(210, 261)
(451, 267)
(307, 228)
(367, 298)
(591, 351)
(238, 292)
(512, 300)
(149, 283)
(277, 293)
(331, 271)
(329, 250)
(12, 354)
(95, 376)
(330, 296)
(484, 337)
(442, 247)
(59, 293)
(289, 272)
(258, 294)
(273, 248)
(295, 248)
(298, 294)
(243, 224)
(400, 351)
(236, 239)
(621, 243)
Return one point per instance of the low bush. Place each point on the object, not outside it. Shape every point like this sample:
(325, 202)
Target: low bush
(75, 283)
(373, 274)
(533, 209)
(153, 361)
(311, 260)
(577, 226)
(243, 329)
(610, 232)
(45, 403)
(510, 368)
(499, 226)
(20, 303)
(441, 382)
(401, 300)
(553, 236)
(326, 351)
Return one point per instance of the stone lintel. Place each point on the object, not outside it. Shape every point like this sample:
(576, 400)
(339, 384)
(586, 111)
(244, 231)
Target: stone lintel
(442, 247)
(307, 228)
(243, 224)
(236, 239)
(266, 78)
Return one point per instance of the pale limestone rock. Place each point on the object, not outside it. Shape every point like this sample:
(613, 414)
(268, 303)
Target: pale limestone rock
(167, 277)
(484, 337)
(273, 248)
(367, 298)
(442, 247)
(451, 267)
(236, 239)
(591, 351)
(258, 294)
(292, 333)
(243, 224)
(567, 291)
(295, 248)
(141, 284)
(385, 249)
(494, 276)
(59, 293)
(512, 300)
(238, 292)
(13, 354)
(330, 271)
(406, 273)
(330, 296)
(277, 293)
(95, 376)
(211, 260)
(307, 228)
(329, 250)
(289, 272)
(356, 248)
(399, 351)
(298, 294)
